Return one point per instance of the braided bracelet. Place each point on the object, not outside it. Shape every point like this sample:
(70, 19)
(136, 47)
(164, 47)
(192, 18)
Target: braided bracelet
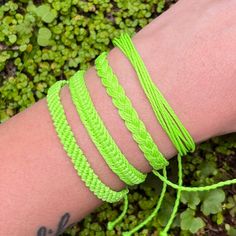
(164, 113)
(99, 134)
(179, 136)
(78, 159)
(177, 133)
(129, 114)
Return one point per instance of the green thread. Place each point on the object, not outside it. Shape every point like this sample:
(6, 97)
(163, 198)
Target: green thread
(177, 200)
(129, 114)
(111, 224)
(177, 133)
(68, 141)
(153, 214)
(179, 136)
(99, 134)
(195, 189)
(163, 112)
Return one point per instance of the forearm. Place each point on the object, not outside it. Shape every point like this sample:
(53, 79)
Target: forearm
(38, 183)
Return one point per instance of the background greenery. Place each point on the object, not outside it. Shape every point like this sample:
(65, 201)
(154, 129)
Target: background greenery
(45, 41)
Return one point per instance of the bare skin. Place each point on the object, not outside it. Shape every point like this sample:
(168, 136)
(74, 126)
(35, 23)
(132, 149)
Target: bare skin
(190, 53)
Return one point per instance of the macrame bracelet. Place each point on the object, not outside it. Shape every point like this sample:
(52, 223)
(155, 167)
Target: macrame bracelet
(170, 123)
(99, 134)
(129, 114)
(68, 141)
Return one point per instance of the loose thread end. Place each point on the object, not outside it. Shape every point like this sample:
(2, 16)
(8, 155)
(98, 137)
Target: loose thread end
(110, 225)
(126, 234)
(163, 233)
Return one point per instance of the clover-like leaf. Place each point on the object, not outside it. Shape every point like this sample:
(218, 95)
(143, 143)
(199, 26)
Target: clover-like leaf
(44, 36)
(46, 13)
(189, 222)
(212, 201)
(208, 168)
(192, 199)
(12, 38)
(160, 6)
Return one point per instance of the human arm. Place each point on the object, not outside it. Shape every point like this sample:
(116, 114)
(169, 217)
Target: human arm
(38, 182)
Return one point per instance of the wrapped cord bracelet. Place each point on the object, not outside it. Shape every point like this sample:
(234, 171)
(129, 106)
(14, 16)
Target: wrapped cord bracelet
(169, 121)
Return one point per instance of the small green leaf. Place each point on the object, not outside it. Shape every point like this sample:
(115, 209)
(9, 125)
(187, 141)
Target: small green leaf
(160, 6)
(4, 56)
(231, 231)
(189, 222)
(45, 13)
(12, 38)
(44, 36)
(208, 168)
(192, 199)
(23, 47)
(220, 218)
(197, 224)
(212, 201)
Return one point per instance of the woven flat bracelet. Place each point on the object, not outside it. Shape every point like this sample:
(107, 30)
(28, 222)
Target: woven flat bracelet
(99, 134)
(69, 144)
(167, 118)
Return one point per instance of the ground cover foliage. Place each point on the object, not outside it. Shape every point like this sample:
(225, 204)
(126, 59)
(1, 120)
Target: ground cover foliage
(45, 41)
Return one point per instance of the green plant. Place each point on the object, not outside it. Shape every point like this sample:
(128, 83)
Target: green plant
(50, 41)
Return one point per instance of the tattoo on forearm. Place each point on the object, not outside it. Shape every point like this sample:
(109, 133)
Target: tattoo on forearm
(62, 225)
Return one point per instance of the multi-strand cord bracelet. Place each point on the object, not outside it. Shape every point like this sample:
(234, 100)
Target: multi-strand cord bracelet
(105, 144)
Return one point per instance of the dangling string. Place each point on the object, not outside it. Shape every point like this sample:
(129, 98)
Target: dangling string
(177, 201)
(112, 224)
(195, 189)
(154, 213)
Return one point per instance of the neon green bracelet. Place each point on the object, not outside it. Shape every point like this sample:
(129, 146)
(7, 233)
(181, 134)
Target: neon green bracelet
(136, 126)
(129, 114)
(177, 133)
(78, 159)
(99, 134)
(164, 114)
